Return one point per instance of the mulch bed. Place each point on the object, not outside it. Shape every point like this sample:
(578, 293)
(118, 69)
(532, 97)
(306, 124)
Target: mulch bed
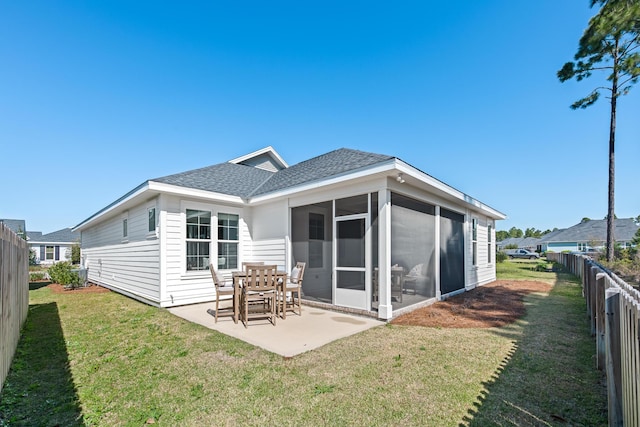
(493, 305)
(90, 289)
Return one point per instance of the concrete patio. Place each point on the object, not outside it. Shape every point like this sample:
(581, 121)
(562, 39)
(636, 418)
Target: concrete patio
(291, 336)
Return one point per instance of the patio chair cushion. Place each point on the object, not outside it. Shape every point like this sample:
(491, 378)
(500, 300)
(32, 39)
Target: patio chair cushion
(295, 273)
(417, 271)
(220, 279)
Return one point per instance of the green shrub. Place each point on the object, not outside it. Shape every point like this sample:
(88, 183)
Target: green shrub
(75, 253)
(36, 276)
(501, 256)
(61, 272)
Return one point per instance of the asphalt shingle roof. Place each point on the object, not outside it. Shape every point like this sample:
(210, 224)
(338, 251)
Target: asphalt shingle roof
(244, 181)
(64, 235)
(595, 229)
(226, 178)
(333, 163)
(16, 225)
(34, 235)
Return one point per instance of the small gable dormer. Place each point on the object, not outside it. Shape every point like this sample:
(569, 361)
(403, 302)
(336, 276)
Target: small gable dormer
(267, 159)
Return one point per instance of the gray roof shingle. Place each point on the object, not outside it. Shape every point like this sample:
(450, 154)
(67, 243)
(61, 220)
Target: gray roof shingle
(61, 236)
(327, 165)
(226, 178)
(245, 181)
(596, 230)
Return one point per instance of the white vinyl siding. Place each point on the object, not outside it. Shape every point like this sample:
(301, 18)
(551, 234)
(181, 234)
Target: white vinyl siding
(132, 268)
(188, 287)
(109, 232)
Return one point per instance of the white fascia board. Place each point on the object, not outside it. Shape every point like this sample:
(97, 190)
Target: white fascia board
(337, 179)
(394, 165)
(269, 149)
(51, 243)
(458, 195)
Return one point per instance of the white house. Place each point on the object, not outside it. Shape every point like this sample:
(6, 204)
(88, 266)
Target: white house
(52, 247)
(589, 234)
(361, 221)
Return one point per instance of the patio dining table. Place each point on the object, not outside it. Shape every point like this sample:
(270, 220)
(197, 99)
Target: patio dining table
(281, 278)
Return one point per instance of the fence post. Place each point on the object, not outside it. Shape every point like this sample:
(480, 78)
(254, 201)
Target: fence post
(613, 366)
(600, 321)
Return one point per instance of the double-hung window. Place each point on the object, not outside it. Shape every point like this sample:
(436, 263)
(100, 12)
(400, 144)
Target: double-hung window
(198, 239)
(228, 238)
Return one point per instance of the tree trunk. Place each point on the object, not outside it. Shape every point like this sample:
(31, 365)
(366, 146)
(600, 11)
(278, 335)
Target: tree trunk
(612, 163)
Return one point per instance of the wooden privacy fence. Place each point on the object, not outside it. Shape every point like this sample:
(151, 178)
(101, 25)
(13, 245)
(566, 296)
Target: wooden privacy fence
(14, 295)
(613, 307)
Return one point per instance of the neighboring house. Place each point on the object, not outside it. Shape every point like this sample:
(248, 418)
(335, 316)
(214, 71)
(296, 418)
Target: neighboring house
(355, 218)
(589, 234)
(18, 226)
(53, 247)
(530, 243)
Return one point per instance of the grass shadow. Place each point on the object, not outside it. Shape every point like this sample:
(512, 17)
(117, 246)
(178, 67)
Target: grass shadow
(37, 285)
(549, 377)
(39, 389)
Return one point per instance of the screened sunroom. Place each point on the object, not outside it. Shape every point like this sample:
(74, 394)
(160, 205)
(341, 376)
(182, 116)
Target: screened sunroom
(378, 253)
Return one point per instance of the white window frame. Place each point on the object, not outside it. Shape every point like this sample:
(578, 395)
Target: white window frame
(46, 253)
(474, 241)
(188, 240)
(489, 243)
(228, 241)
(152, 232)
(213, 249)
(124, 220)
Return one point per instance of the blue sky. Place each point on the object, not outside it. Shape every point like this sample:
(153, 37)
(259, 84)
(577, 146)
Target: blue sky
(97, 97)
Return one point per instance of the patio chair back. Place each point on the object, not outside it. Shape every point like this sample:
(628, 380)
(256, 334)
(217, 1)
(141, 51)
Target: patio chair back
(260, 278)
(222, 289)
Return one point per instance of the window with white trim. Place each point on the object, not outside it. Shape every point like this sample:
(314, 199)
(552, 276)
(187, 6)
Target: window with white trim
(198, 239)
(49, 253)
(125, 228)
(151, 220)
(489, 244)
(228, 239)
(474, 240)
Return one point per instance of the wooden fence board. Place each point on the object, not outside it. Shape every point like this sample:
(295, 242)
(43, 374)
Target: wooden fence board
(617, 338)
(14, 295)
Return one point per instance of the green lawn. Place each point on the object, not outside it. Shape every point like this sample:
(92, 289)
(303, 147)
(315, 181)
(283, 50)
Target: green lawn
(105, 360)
